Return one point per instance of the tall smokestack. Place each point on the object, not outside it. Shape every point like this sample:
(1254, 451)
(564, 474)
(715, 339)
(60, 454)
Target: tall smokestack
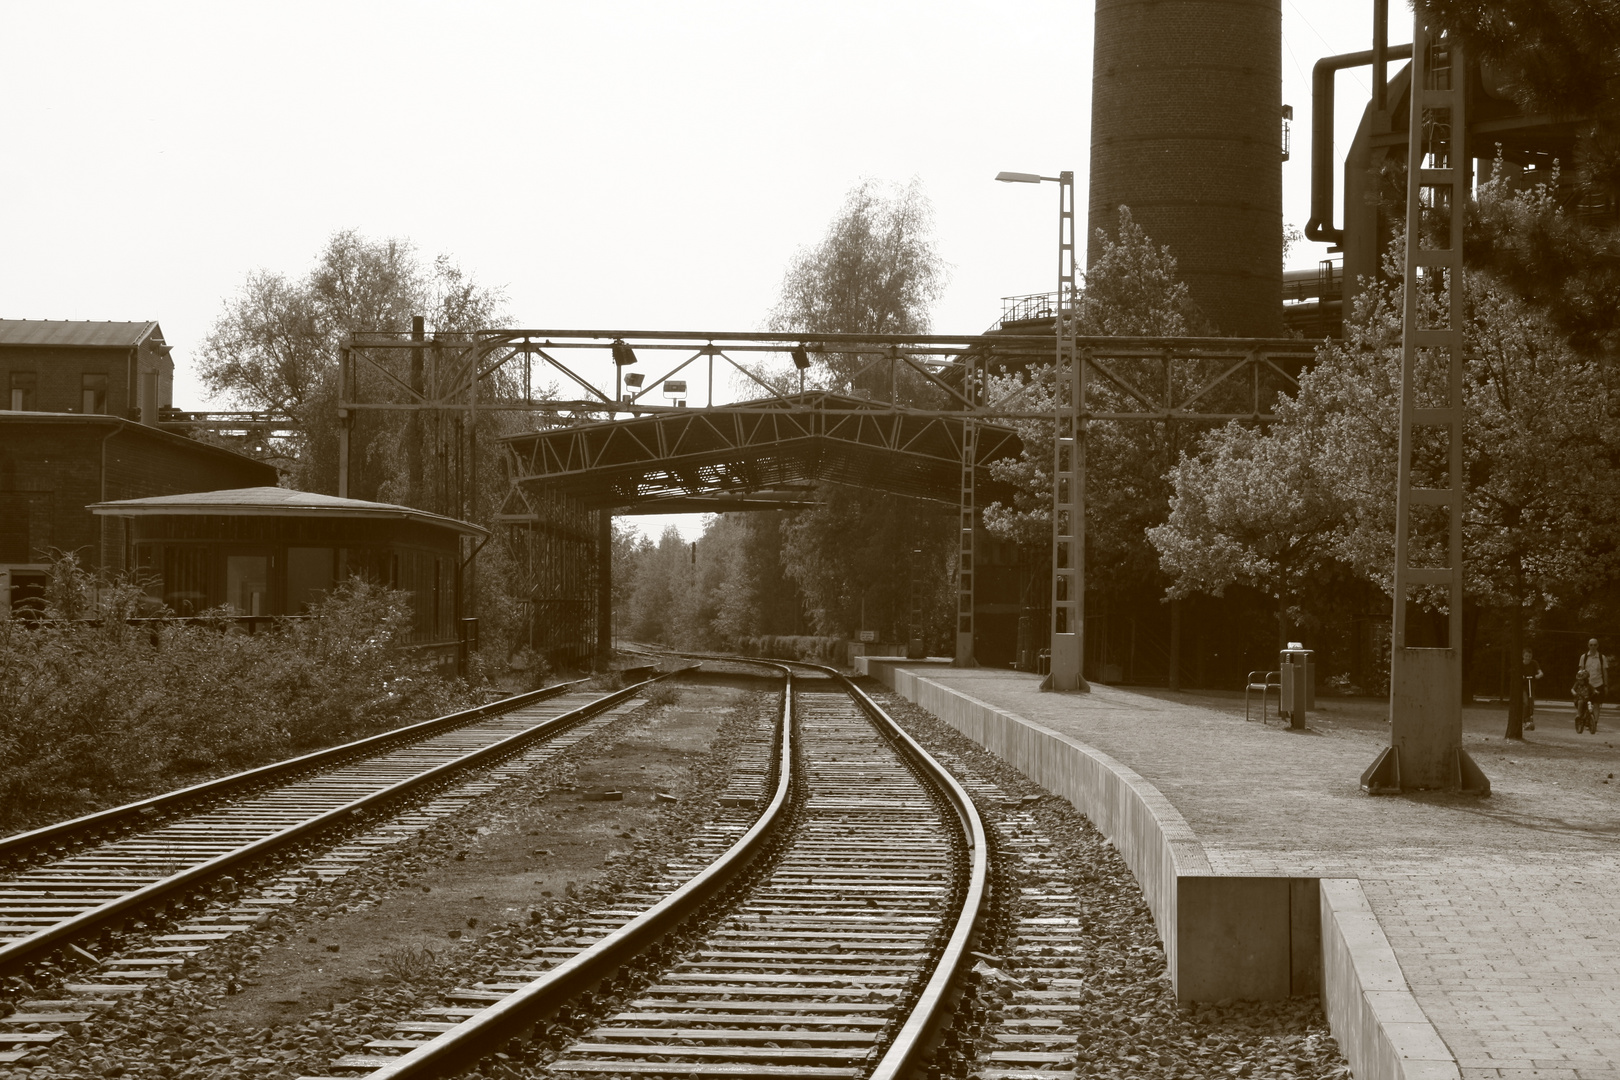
(1186, 123)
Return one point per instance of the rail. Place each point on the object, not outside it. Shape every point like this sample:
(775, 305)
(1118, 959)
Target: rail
(927, 1014)
(142, 811)
(474, 1038)
(521, 1013)
(38, 945)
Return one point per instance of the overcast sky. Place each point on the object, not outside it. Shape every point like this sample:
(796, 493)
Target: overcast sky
(625, 165)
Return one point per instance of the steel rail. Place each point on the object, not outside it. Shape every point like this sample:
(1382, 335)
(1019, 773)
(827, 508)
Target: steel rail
(915, 1034)
(36, 946)
(478, 1036)
(913, 1039)
(74, 828)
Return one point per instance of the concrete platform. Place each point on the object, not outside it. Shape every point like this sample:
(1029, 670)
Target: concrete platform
(1501, 913)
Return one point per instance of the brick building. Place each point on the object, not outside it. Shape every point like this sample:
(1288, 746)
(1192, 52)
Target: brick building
(107, 368)
(54, 465)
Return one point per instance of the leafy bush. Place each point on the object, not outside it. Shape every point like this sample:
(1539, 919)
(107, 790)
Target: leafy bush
(819, 650)
(99, 705)
(662, 693)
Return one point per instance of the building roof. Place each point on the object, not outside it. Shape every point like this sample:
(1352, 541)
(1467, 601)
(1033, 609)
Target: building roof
(13, 425)
(65, 333)
(275, 502)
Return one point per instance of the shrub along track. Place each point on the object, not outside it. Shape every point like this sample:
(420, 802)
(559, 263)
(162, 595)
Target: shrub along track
(239, 1007)
(820, 946)
(87, 886)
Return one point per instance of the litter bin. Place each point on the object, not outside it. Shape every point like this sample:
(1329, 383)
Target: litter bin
(1298, 683)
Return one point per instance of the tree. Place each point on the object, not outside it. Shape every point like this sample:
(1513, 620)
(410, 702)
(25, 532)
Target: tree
(1554, 58)
(275, 347)
(876, 271)
(1542, 502)
(1250, 508)
(1132, 289)
(662, 576)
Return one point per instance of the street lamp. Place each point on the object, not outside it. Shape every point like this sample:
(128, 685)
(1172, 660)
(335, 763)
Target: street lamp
(801, 360)
(1068, 457)
(623, 357)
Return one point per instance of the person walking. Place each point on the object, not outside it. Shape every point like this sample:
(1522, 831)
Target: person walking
(1531, 674)
(1596, 666)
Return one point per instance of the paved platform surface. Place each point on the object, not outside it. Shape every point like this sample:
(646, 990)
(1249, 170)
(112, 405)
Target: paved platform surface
(1504, 912)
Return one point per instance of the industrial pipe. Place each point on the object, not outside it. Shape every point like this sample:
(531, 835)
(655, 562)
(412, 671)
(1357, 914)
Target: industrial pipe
(1320, 227)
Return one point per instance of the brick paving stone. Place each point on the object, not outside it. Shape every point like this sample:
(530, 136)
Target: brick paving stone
(1501, 911)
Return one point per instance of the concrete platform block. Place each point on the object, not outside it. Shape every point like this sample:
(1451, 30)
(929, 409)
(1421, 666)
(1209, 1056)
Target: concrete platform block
(1225, 936)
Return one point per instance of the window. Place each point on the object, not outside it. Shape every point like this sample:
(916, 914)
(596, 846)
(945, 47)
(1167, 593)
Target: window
(247, 584)
(23, 384)
(309, 576)
(94, 394)
(185, 579)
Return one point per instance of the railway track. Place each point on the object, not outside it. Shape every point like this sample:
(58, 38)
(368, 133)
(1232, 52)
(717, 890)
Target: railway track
(76, 888)
(820, 944)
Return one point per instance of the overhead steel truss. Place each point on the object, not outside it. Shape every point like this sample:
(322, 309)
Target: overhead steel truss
(245, 424)
(928, 414)
(497, 370)
(727, 452)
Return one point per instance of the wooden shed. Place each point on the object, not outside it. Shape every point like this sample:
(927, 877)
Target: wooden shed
(272, 551)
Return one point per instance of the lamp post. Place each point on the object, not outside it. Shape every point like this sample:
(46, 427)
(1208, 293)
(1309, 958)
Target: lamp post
(623, 357)
(1068, 623)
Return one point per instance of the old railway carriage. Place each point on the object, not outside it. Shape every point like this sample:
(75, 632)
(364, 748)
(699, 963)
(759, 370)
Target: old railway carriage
(272, 551)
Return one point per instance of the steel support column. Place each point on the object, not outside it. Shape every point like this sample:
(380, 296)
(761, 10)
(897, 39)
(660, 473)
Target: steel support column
(969, 510)
(1425, 705)
(916, 644)
(604, 587)
(345, 418)
(1068, 469)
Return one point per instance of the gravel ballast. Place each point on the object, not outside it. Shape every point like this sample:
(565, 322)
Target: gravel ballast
(207, 1023)
(1050, 862)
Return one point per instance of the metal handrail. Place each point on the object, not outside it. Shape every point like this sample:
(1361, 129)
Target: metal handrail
(1265, 682)
(1041, 305)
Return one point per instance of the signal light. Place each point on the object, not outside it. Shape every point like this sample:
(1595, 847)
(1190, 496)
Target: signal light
(623, 355)
(801, 358)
